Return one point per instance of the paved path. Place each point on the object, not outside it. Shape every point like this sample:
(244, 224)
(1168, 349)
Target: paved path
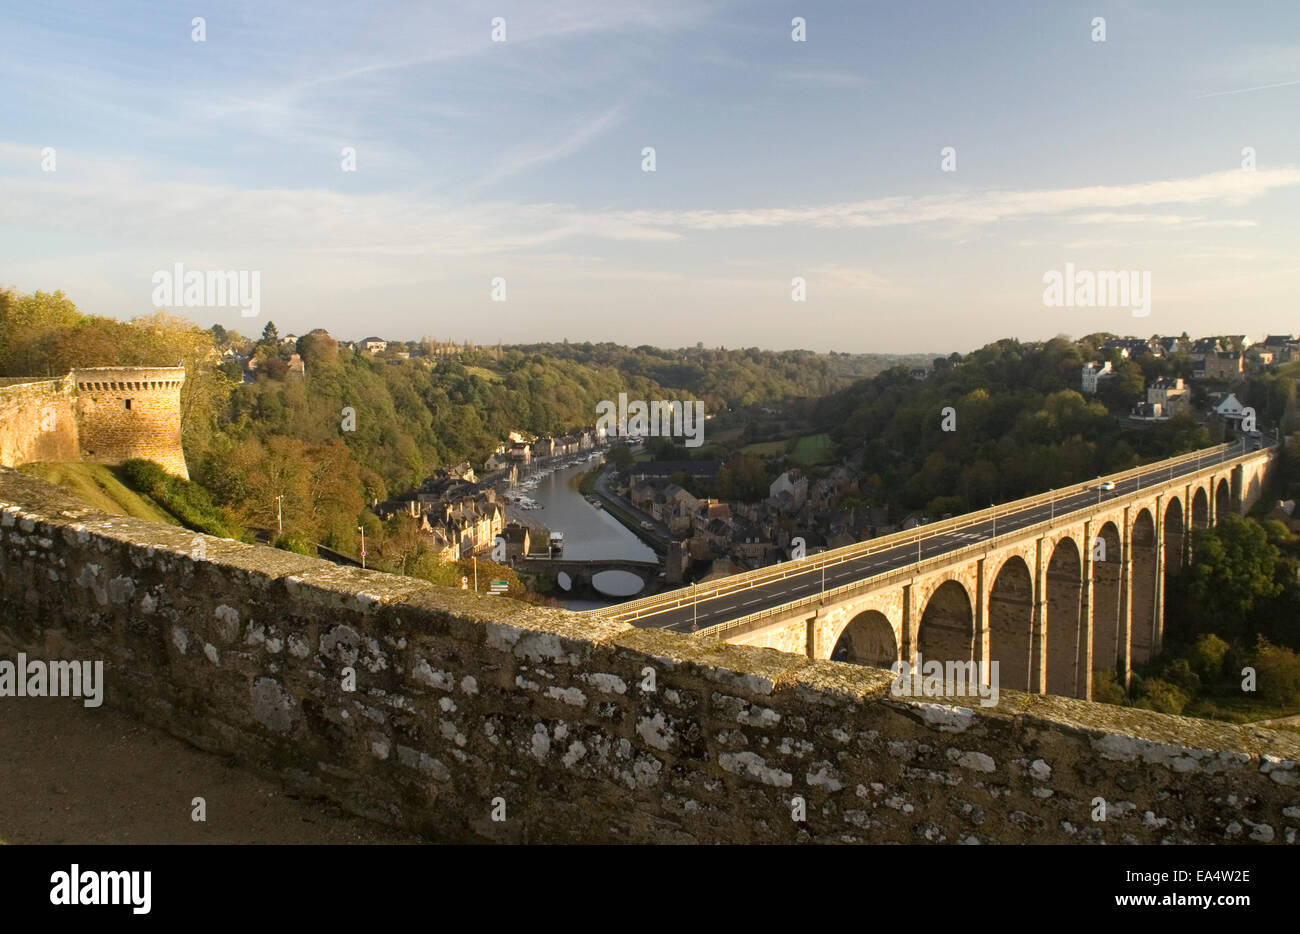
(74, 775)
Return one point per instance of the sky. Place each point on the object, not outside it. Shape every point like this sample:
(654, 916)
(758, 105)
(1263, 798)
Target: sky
(1171, 148)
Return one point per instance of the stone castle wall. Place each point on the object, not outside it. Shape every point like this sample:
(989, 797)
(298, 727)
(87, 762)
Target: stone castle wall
(37, 422)
(577, 729)
(127, 412)
(102, 415)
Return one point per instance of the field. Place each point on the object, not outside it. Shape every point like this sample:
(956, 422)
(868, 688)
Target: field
(809, 449)
(813, 449)
(99, 486)
(484, 374)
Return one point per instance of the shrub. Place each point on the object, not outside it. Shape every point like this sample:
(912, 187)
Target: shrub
(1206, 657)
(1106, 688)
(1277, 671)
(187, 501)
(145, 477)
(1161, 696)
(1180, 673)
(297, 542)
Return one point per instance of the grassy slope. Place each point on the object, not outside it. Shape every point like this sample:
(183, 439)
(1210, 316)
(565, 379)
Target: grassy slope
(99, 487)
(813, 449)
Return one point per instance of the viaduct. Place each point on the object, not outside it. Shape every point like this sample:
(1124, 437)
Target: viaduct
(1052, 587)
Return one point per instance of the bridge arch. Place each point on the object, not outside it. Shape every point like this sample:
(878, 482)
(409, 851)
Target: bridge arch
(1200, 509)
(1066, 652)
(1222, 500)
(947, 630)
(1106, 571)
(868, 639)
(1142, 587)
(1175, 536)
(1011, 624)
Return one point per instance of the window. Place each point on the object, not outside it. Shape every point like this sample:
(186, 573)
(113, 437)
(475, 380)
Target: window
(128, 404)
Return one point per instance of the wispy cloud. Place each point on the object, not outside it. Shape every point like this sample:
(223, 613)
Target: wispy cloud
(113, 201)
(539, 152)
(1261, 87)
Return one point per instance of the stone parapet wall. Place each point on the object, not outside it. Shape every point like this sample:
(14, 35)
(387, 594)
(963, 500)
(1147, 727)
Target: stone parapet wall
(583, 730)
(37, 422)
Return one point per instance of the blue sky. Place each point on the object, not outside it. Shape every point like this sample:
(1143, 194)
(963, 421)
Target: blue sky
(774, 159)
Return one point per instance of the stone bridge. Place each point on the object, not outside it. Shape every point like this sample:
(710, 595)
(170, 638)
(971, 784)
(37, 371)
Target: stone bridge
(581, 573)
(1075, 584)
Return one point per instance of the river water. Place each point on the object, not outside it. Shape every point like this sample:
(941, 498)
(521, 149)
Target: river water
(588, 533)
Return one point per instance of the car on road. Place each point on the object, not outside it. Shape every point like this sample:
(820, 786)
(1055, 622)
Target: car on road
(645, 524)
(1107, 485)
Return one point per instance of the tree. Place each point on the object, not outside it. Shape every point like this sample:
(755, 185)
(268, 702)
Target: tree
(270, 336)
(1126, 388)
(620, 455)
(28, 325)
(1232, 572)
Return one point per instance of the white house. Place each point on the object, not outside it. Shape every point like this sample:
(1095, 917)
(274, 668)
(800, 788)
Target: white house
(1229, 407)
(1093, 374)
(793, 482)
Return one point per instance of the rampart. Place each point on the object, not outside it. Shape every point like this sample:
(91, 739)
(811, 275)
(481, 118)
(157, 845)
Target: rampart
(102, 415)
(37, 422)
(577, 729)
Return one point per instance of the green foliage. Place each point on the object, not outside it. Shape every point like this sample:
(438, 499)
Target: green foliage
(1206, 657)
(1106, 688)
(1159, 695)
(297, 542)
(1277, 669)
(1233, 572)
(620, 455)
(944, 505)
(1022, 427)
(190, 503)
(1180, 674)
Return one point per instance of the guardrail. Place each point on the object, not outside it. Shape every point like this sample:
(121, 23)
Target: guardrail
(649, 606)
(920, 567)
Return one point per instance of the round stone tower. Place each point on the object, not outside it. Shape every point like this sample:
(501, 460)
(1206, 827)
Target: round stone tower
(124, 412)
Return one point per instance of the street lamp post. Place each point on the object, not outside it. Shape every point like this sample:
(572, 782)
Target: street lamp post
(279, 516)
(362, 530)
(695, 606)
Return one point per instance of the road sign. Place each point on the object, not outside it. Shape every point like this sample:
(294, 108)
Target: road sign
(500, 586)
(464, 583)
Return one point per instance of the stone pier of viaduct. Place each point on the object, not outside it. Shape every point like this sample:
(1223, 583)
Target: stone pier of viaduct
(1052, 603)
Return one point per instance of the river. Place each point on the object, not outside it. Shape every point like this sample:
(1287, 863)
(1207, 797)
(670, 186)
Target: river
(588, 533)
